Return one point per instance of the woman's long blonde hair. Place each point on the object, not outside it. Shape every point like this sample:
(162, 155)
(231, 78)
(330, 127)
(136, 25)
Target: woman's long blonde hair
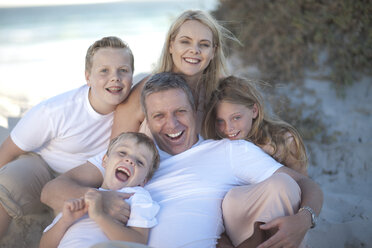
(217, 67)
(266, 130)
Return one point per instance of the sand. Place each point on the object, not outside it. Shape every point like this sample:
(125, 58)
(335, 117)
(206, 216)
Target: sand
(342, 166)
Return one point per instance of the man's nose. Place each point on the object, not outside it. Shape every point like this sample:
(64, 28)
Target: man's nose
(172, 121)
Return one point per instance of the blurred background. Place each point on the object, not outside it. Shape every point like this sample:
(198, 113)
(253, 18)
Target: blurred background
(312, 60)
(43, 43)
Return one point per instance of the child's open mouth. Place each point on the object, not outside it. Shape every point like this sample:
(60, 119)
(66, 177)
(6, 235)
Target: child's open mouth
(122, 174)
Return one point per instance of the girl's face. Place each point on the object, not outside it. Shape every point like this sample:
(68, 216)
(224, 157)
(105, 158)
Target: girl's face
(192, 49)
(234, 121)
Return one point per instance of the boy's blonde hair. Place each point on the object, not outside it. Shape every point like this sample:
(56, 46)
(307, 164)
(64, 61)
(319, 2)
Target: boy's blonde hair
(110, 41)
(217, 67)
(142, 139)
(265, 129)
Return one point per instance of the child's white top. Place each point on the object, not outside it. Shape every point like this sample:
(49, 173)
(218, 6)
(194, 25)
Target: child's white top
(85, 232)
(65, 130)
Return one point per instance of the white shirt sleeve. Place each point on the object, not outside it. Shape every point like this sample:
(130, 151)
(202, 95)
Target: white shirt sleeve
(97, 161)
(34, 129)
(250, 163)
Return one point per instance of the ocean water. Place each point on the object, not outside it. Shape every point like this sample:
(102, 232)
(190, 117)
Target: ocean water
(42, 49)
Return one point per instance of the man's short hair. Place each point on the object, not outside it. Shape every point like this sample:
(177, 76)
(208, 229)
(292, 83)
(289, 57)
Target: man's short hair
(166, 81)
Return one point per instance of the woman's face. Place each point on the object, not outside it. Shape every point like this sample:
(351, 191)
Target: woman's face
(234, 121)
(192, 49)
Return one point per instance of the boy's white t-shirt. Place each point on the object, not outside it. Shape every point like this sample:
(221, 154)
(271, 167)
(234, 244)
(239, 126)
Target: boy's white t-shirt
(190, 187)
(65, 130)
(85, 232)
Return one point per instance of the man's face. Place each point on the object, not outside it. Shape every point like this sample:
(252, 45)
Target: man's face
(171, 120)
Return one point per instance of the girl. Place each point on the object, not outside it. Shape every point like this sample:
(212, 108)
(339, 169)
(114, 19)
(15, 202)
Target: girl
(236, 111)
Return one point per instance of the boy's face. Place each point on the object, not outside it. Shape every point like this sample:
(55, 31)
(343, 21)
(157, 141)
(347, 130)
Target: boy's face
(110, 78)
(127, 165)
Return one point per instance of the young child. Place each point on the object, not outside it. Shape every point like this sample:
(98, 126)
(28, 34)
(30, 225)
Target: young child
(64, 131)
(236, 111)
(129, 163)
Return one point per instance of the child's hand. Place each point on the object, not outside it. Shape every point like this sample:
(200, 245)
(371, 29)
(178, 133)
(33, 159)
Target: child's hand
(73, 209)
(93, 199)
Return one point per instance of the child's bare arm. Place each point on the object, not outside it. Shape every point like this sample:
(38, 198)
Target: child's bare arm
(117, 231)
(111, 227)
(72, 210)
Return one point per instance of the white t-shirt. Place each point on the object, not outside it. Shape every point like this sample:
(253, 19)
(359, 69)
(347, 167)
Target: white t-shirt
(190, 186)
(85, 232)
(65, 130)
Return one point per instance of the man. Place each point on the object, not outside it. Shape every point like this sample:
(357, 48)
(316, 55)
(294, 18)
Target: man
(195, 174)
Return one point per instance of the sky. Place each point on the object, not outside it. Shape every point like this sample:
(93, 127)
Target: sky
(24, 3)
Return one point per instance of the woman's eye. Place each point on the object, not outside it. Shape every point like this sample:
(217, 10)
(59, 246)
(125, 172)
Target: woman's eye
(235, 118)
(184, 42)
(205, 45)
(124, 70)
(139, 162)
(122, 153)
(104, 70)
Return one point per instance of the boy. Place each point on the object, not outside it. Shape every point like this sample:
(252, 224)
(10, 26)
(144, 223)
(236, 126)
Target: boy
(64, 131)
(129, 163)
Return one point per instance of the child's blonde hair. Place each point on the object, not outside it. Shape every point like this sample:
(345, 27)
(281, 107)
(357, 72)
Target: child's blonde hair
(265, 130)
(110, 41)
(142, 139)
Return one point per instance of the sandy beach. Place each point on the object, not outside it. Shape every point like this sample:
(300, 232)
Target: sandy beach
(342, 166)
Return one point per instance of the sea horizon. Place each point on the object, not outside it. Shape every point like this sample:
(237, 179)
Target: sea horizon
(42, 48)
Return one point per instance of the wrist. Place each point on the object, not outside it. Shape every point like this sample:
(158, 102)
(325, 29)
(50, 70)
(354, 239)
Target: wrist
(309, 212)
(98, 216)
(65, 222)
